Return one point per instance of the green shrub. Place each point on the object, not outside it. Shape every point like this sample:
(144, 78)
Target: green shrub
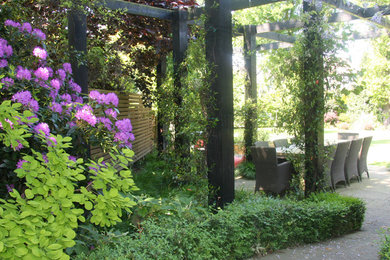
(385, 248)
(249, 225)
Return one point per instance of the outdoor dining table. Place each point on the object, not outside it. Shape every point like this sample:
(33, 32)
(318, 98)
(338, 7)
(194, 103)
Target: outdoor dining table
(284, 151)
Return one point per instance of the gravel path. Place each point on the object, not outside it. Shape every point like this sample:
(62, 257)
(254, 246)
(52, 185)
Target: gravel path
(363, 244)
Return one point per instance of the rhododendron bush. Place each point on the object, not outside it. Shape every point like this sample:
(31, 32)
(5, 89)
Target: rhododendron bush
(48, 183)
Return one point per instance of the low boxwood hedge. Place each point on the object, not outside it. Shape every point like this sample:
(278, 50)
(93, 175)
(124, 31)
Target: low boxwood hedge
(244, 228)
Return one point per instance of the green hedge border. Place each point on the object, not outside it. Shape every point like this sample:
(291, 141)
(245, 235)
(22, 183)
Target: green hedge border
(246, 227)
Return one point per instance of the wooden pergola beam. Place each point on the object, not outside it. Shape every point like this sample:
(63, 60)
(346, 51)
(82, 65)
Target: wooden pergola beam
(334, 18)
(273, 46)
(285, 45)
(277, 37)
(363, 13)
(137, 9)
(242, 4)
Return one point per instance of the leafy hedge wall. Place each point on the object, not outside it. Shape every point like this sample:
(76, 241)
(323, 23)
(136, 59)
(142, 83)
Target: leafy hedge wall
(254, 225)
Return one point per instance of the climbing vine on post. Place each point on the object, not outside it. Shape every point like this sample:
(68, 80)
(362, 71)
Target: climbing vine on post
(311, 75)
(250, 107)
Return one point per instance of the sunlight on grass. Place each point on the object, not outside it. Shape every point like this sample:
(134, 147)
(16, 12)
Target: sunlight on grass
(382, 164)
(380, 142)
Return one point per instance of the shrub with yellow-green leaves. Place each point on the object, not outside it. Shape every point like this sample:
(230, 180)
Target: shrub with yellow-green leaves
(39, 221)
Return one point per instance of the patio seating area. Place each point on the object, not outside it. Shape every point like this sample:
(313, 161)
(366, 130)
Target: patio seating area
(345, 161)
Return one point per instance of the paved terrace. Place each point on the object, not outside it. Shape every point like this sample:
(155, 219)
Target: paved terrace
(363, 244)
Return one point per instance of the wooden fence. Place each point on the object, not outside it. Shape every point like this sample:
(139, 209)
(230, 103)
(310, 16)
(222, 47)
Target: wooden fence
(142, 120)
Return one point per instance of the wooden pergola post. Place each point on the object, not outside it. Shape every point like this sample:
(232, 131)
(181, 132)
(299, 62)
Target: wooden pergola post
(77, 37)
(250, 131)
(180, 44)
(161, 127)
(313, 97)
(220, 153)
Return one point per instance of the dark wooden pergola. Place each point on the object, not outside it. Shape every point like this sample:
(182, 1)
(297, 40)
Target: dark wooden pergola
(220, 153)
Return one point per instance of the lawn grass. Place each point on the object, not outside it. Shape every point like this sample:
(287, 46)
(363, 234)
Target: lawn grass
(384, 141)
(382, 164)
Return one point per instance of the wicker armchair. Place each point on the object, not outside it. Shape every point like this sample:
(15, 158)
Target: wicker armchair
(347, 136)
(271, 176)
(262, 143)
(330, 154)
(337, 169)
(351, 162)
(281, 143)
(362, 160)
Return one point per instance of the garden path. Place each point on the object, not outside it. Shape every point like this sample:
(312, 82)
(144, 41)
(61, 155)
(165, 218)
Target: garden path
(363, 244)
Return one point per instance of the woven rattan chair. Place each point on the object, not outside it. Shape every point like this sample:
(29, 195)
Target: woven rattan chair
(351, 162)
(347, 136)
(337, 169)
(262, 144)
(329, 158)
(271, 176)
(362, 160)
(281, 143)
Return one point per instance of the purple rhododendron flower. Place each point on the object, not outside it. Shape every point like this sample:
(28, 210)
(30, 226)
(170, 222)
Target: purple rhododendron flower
(96, 169)
(75, 86)
(55, 107)
(18, 147)
(33, 104)
(22, 97)
(62, 74)
(56, 84)
(20, 163)
(106, 121)
(51, 141)
(111, 98)
(26, 27)
(42, 73)
(40, 53)
(79, 100)
(11, 23)
(53, 93)
(86, 114)
(66, 97)
(5, 49)
(72, 158)
(124, 125)
(111, 112)
(42, 127)
(39, 34)
(44, 157)
(8, 82)
(10, 187)
(123, 137)
(67, 67)
(95, 95)
(22, 73)
(50, 72)
(71, 124)
(3, 63)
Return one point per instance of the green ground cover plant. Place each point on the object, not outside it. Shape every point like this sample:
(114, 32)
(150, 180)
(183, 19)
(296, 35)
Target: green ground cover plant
(251, 225)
